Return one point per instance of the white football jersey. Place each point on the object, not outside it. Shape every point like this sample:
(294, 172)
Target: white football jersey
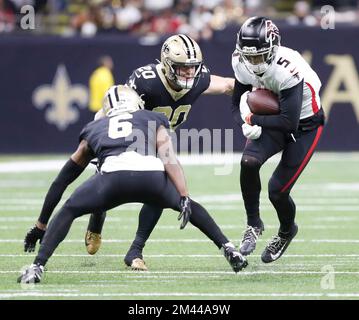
(287, 70)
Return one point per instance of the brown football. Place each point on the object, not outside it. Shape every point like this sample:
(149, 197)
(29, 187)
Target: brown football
(263, 102)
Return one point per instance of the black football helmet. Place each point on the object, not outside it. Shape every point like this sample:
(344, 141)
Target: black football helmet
(257, 43)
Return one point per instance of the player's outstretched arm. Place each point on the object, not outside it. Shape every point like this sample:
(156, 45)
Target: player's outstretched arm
(69, 172)
(220, 85)
(174, 170)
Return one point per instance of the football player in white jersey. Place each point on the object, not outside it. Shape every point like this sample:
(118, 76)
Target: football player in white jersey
(259, 61)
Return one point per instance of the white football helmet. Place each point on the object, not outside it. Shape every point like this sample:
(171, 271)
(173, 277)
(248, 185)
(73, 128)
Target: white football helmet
(181, 51)
(120, 99)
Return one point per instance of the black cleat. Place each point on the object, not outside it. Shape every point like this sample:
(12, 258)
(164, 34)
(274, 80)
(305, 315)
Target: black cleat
(278, 245)
(235, 259)
(32, 274)
(250, 238)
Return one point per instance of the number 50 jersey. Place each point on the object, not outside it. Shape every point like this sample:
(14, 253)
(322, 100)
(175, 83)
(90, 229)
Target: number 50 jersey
(150, 83)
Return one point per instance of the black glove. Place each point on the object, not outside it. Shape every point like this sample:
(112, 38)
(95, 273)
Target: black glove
(186, 211)
(31, 238)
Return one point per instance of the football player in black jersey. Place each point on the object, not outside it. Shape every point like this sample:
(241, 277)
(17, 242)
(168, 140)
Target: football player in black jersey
(169, 87)
(137, 163)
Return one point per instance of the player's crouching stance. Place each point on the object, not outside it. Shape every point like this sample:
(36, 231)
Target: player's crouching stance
(147, 172)
(260, 61)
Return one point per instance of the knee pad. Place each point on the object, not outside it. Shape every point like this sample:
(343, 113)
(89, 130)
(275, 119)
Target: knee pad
(249, 162)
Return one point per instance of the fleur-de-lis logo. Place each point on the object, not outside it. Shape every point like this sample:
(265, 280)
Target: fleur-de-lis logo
(62, 96)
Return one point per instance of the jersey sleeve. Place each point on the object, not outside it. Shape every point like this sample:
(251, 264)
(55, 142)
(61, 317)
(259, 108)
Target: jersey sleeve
(84, 133)
(137, 82)
(162, 120)
(288, 71)
(205, 81)
(237, 69)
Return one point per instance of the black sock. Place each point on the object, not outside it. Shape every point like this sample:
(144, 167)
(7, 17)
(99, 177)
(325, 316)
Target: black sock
(204, 222)
(96, 222)
(56, 232)
(285, 207)
(251, 188)
(147, 220)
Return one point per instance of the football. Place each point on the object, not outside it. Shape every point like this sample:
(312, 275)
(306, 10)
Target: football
(263, 102)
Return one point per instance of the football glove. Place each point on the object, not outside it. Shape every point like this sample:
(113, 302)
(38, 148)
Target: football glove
(244, 108)
(251, 132)
(186, 211)
(31, 238)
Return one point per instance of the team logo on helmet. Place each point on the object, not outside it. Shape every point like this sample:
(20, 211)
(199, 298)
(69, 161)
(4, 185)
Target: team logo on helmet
(271, 31)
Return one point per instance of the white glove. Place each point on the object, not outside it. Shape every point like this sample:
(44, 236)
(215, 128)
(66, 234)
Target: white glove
(251, 132)
(243, 106)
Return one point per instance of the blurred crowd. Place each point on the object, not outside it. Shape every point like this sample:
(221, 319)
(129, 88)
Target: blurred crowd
(197, 18)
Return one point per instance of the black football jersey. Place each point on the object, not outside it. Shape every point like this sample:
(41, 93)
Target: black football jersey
(124, 132)
(151, 84)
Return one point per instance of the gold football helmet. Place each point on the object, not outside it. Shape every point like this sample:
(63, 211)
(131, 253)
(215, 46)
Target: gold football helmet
(120, 99)
(181, 51)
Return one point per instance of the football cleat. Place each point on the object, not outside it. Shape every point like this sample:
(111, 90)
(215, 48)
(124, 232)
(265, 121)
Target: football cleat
(278, 245)
(32, 274)
(138, 265)
(235, 259)
(250, 238)
(92, 242)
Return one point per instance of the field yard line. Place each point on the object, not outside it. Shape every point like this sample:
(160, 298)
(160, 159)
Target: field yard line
(245, 273)
(184, 255)
(190, 240)
(214, 198)
(175, 227)
(300, 208)
(176, 294)
(122, 219)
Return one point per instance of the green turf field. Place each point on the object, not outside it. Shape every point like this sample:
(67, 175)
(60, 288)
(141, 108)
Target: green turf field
(321, 263)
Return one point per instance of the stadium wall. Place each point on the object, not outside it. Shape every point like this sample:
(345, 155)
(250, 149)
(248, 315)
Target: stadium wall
(44, 86)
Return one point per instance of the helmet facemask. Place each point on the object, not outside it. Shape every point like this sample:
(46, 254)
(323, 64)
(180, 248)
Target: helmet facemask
(257, 61)
(257, 44)
(181, 58)
(183, 75)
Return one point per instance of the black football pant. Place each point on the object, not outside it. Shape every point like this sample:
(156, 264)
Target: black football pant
(295, 157)
(105, 191)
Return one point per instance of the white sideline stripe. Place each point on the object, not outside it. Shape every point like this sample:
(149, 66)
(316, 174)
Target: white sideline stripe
(177, 294)
(189, 240)
(180, 272)
(184, 255)
(198, 159)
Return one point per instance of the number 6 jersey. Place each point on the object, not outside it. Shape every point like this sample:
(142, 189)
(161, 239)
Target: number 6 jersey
(126, 141)
(150, 83)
